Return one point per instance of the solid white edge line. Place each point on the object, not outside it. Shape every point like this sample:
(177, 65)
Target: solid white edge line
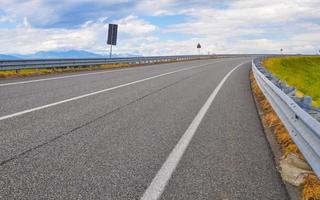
(100, 91)
(159, 182)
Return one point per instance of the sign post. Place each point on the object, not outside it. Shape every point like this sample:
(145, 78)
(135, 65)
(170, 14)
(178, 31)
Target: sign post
(112, 36)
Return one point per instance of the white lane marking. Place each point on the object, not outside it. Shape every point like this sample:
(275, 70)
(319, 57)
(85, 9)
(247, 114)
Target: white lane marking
(98, 92)
(61, 77)
(161, 179)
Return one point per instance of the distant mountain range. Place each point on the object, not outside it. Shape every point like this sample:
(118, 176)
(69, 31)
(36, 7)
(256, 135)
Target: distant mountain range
(3, 56)
(61, 54)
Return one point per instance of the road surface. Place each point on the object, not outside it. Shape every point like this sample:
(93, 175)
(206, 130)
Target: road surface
(186, 130)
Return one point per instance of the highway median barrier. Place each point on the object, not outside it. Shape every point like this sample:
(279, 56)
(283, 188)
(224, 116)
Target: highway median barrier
(21, 68)
(43, 71)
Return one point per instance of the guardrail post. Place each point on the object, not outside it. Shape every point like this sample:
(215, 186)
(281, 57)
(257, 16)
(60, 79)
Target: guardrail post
(17, 65)
(307, 102)
(295, 113)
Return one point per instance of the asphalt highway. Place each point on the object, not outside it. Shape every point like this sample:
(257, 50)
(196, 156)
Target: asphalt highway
(185, 130)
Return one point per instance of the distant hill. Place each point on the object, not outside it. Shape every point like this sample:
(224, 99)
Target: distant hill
(4, 56)
(62, 54)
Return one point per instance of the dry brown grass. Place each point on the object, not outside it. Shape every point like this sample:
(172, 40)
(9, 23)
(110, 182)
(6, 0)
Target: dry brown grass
(36, 72)
(272, 121)
(311, 187)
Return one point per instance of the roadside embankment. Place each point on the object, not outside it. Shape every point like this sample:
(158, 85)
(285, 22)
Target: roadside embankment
(291, 163)
(302, 72)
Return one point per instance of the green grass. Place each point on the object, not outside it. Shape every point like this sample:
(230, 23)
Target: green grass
(300, 72)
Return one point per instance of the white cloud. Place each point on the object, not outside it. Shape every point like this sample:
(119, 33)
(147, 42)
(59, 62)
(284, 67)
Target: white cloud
(5, 19)
(132, 25)
(157, 7)
(37, 10)
(242, 26)
(256, 26)
(26, 39)
(91, 36)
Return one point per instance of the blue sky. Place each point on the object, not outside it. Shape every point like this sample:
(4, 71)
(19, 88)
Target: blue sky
(161, 27)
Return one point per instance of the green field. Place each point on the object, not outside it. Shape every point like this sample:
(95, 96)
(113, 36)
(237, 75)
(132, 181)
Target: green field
(300, 72)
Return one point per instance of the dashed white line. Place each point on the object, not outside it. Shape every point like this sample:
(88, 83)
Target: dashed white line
(161, 179)
(98, 92)
(63, 77)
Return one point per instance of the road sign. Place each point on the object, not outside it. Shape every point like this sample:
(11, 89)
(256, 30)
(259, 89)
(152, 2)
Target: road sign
(199, 47)
(112, 34)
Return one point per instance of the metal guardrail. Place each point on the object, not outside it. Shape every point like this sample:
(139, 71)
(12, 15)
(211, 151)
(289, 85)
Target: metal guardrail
(54, 63)
(302, 127)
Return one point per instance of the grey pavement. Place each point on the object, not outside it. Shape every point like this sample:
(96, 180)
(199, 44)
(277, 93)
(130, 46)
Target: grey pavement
(111, 145)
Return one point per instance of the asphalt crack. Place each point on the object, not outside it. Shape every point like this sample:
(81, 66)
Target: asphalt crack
(95, 119)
